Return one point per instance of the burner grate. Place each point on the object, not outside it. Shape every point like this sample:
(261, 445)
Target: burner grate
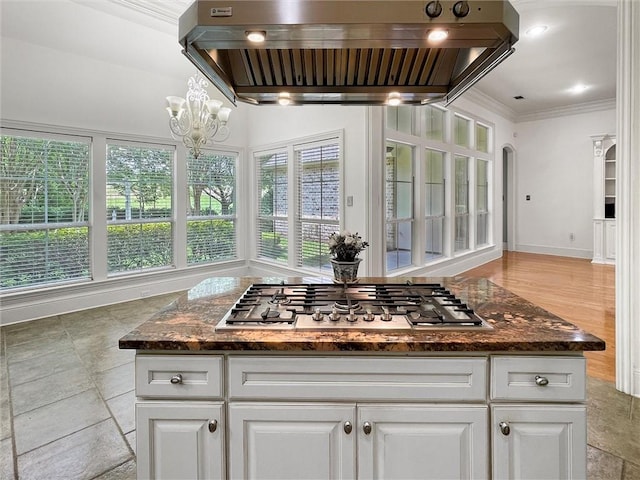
(336, 306)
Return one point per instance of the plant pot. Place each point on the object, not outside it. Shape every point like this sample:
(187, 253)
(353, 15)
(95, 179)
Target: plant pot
(345, 272)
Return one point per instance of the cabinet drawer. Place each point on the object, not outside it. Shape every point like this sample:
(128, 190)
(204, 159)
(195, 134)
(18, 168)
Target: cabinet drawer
(559, 379)
(179, 376)
(359, 378)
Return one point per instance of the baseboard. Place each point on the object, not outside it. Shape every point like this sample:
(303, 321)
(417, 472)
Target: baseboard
(557, 251)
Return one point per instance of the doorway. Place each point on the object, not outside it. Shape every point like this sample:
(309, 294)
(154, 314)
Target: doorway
(508, 199)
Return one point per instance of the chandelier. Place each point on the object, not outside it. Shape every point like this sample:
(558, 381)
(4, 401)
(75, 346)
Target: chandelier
(197, 120)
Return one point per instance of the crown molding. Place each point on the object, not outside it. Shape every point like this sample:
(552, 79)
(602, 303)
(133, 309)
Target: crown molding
(483, 100)
(587, 107)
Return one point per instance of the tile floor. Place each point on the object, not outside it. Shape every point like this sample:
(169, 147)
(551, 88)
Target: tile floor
(67, 395)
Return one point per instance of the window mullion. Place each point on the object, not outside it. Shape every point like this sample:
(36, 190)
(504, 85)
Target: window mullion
(98, 209)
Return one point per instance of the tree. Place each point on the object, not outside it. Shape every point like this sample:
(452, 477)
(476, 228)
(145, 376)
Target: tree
(144, 173)
(45, 175)
(18, 184)
(212, 175)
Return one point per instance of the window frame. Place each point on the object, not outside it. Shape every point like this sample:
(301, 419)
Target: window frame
(230, 217)
(54, 227)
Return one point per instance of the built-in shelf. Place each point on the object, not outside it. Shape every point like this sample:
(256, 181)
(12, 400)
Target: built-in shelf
(604, 208)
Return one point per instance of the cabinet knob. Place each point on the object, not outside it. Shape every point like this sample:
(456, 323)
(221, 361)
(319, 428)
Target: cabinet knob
(176, 379)
(542, 381)
(366, 428)
(504, 428)
(348, 427)
(213, 425)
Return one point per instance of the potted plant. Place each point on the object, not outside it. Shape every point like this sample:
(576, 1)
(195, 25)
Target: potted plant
(345, 247)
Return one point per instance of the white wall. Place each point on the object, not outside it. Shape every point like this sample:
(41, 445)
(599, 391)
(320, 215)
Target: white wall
(555, 167)
(267, 125)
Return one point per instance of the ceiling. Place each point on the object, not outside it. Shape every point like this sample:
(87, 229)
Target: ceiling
(579, 46)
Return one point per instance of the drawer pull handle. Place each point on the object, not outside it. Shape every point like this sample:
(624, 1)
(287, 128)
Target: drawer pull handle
(542, 381)
(366, 427)
(348, 427)
(176, 379)
(213, 425)
(504, 428)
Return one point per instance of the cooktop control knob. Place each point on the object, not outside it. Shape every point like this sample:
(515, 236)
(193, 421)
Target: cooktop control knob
(317, 315)
(461, 9)
(352, 316)
(369, 317)
(335, 316)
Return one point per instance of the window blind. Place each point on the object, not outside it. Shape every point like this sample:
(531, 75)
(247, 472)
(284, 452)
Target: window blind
(318, 181)
(44, 209)
(139, 206)
(273, 196)
(211, 219)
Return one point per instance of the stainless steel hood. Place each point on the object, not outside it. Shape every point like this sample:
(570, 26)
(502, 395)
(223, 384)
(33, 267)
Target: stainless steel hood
(347, 51)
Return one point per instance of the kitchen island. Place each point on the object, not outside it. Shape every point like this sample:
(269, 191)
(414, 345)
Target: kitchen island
(503, 401)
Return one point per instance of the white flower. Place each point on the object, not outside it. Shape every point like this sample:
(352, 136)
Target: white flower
(348, 240)
(332, 243)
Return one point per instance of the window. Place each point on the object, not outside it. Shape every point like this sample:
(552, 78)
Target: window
(434, 119)
(44, 210)
(482, 202)
(482, 138)
(273, 199)
(318, 202)
(399, 205)
(461, 131)
(211, 219)
(400, 118)
(434, 203)
(461, 203)
(139, 206)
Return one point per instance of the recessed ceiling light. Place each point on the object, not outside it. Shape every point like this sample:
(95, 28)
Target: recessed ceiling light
(578, 88)
(256, 36)
(284, 98)
(394, 99)
(536, 31)
(437, 35)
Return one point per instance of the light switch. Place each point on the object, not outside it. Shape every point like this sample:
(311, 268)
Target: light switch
(350, 201)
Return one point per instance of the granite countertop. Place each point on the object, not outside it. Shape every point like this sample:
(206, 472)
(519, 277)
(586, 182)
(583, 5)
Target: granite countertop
(188, 324)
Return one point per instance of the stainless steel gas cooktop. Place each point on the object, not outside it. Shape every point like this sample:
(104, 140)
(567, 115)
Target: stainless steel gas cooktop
(410, 306)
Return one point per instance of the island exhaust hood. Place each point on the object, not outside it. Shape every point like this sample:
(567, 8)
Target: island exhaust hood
(347, 51)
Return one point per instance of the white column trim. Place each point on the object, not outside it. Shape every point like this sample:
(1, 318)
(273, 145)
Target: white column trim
(628, 199)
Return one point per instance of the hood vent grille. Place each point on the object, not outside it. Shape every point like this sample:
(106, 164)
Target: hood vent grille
(318, 59)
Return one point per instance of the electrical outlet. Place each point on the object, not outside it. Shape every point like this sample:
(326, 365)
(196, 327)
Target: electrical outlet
(350, 201)
(572, 237)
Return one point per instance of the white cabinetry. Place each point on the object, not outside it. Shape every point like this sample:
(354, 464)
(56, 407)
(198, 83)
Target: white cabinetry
(604, 194)
(539, 442)
(395, 439)
(365, 417)
(178, 433)
(545, 435)
(180, 440)
(422, 441)
(291, 441)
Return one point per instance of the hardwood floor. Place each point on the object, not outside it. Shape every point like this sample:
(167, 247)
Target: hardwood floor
(572, 288)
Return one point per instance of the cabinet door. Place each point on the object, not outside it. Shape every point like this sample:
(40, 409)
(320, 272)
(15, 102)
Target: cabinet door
(180, 440)
(291, 441)
(414, 441)
(539, 442)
